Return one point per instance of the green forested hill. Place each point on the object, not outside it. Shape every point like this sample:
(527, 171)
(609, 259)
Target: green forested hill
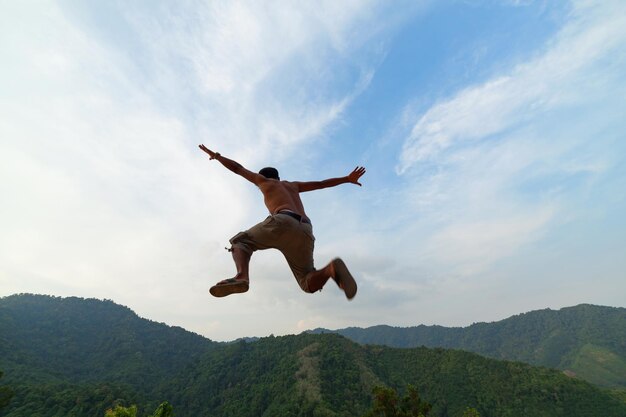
(53, 339)
(76, 357)
(588, 341)
(328, 375)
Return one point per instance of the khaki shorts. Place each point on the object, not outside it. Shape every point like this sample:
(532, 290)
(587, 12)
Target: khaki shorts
(280, 231)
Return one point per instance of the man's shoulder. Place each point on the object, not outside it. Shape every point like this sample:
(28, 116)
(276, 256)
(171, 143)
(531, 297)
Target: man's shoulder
(291, 184)
(272, 183)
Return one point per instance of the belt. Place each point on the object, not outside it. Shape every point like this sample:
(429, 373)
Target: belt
(295, 216)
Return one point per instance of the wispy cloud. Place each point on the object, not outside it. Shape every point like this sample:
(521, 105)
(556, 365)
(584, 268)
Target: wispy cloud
(471, 247)
(259, 79)
(554, 79)
(109, 194)
(493, 168)
(102, 106)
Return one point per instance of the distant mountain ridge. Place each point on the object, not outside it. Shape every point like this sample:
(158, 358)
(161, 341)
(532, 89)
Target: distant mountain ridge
(84, 340)
(586, 340)
(77, 357)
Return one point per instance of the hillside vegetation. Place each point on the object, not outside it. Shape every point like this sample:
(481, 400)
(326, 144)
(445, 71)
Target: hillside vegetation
(587, 341)
(76, 357)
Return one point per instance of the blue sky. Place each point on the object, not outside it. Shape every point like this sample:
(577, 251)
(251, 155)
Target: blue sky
(492, 132)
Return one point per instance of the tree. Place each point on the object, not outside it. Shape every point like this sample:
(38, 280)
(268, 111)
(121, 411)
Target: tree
(471, 412)
(163, 410)
(412, 405)
(120, 411)
(386, 403)
(5, 395)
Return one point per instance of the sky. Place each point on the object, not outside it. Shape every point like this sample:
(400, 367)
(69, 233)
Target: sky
(493, 133)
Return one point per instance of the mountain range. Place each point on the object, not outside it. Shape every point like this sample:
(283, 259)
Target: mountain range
(586, 341)
(78, 357)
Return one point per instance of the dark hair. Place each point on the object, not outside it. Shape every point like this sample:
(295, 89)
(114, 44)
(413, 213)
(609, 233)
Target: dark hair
(269, 172)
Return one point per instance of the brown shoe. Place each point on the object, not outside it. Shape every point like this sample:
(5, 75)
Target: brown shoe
(228, 287)
(344, 278)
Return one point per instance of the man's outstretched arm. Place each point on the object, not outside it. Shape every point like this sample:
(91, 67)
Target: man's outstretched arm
(352, 178)
(234, 166)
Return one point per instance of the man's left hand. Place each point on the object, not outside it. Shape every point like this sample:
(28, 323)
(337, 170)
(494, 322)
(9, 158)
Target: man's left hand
(354, 176)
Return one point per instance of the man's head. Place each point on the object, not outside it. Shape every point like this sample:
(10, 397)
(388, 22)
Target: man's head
(269, 172)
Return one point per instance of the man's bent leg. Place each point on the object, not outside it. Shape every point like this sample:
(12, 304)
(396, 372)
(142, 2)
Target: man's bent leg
(242, 262)
(243, 245)
(241, 257)
(336, 270)
(315, 280)
(240, 282)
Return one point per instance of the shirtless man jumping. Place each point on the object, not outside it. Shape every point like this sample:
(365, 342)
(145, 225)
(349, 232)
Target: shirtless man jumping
(287, 229)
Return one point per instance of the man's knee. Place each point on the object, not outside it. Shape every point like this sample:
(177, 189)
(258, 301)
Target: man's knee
(241, 241)
(310, 284)
(241, 247)
(309, 290)
(303, 282)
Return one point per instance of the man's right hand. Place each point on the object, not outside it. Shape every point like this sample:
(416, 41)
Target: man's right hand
(212, 155)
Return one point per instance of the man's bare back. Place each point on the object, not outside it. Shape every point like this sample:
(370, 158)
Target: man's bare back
(287, 229)
(282, 195)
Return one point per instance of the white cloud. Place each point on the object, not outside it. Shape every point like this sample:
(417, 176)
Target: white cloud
(494, 168)
(109, 195)
(471, 247)
(258, 79)
(557, 78)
